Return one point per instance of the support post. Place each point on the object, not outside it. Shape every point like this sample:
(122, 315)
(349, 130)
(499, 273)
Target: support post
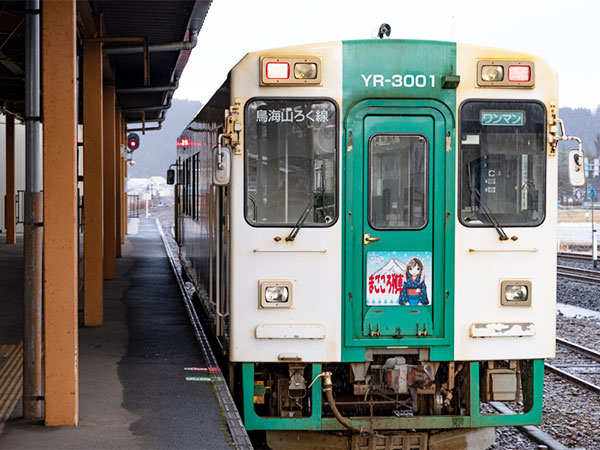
(10, 218)
(33, 237)
(123, 194)
(118, 196)
(110, 180)
(59, 57)
(92, 184)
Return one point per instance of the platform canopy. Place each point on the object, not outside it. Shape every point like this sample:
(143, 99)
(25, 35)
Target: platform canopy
(168, 27)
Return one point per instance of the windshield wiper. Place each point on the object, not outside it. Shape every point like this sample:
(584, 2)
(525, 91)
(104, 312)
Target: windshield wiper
(300, 222)
(490, 215)
(487, 212)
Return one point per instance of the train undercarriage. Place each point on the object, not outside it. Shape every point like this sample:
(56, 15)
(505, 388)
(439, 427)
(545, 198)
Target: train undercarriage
(389, 402)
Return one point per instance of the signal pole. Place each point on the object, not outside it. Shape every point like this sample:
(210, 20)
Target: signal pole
(594, 238)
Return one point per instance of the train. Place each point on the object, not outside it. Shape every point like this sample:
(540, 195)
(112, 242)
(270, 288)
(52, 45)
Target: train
(370, 227)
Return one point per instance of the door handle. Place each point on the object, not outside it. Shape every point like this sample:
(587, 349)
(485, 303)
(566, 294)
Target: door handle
(368, 239)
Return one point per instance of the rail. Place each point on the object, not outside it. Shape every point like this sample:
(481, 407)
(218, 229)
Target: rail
(530, 431)
(593, 354)
(571, 378)
(574, 256)
(576, 274)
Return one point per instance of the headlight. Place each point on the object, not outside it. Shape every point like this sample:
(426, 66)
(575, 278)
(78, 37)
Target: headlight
(305, 71)
(276, 294)
(515, 293)
(492, 73)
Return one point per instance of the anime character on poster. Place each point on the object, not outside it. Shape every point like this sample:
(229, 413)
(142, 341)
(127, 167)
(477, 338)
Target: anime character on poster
(414, 291)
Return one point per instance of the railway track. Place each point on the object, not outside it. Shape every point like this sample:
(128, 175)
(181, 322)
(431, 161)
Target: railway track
(531, 432)
(576, 274)
(564, 364)
(574, 256)
(581, 363)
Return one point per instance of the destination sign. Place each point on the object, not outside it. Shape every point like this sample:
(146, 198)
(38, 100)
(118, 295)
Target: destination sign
(503, 118)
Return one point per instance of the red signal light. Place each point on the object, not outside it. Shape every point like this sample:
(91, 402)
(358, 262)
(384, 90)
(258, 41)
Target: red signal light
(133, 141)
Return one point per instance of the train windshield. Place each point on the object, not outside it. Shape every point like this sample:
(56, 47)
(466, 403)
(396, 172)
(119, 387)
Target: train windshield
(291, 161)
(502, 163)
(398, 181)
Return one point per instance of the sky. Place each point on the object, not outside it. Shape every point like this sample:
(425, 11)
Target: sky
(566, 34)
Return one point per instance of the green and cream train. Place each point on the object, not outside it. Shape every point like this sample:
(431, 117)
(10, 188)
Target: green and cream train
(370, 226)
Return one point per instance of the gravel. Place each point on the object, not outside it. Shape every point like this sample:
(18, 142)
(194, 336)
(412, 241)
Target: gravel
(576, 293)
(571, 413)
(509, 438)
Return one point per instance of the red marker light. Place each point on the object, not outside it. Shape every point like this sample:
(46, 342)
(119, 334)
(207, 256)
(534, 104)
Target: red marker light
(184, 143)
(278, 71)
(519, 73)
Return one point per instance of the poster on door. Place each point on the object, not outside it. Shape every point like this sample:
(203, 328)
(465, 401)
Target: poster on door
(398, 278)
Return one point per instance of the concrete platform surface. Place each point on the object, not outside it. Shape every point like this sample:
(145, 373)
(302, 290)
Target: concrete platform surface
(135, 391)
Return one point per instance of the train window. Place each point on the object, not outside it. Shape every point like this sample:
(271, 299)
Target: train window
(196, 185)
(398, 181)
(502, 163)
(291, 162)
(186, 187)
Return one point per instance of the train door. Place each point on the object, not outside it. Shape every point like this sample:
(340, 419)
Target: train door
(395, 242)
(222, 266)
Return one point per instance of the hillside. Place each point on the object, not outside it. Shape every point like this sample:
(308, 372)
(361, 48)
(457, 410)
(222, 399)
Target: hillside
(584, 124)
(157, 148)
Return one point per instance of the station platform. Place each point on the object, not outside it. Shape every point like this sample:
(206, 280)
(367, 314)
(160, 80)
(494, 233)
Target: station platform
(134, 389)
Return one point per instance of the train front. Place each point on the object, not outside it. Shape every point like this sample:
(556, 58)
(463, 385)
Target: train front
(392, 236)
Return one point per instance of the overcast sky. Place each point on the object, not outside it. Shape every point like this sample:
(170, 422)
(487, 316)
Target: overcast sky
(566, 33)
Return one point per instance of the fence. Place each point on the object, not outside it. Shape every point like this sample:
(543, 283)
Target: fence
(133, 205)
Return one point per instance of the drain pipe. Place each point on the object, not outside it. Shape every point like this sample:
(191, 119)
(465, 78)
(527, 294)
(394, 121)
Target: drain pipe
(157, 48)
(156, 128)
(33, 238)
(144, 90)
(143, 49)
